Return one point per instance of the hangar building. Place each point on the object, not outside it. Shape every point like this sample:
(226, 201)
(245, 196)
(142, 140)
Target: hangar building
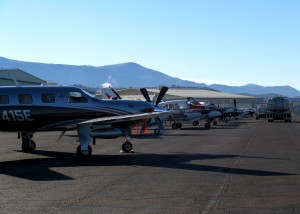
(7, 77)
(211, 96)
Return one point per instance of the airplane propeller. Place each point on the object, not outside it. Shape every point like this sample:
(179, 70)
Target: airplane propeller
(160, 96)
(145, 94)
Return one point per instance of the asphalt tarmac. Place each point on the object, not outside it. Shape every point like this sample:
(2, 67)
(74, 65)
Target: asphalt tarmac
(245, 166)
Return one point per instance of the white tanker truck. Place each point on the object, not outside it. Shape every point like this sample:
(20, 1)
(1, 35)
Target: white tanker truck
(279, 108)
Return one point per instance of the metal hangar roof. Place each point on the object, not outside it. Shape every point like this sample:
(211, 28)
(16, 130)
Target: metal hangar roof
(7, 77)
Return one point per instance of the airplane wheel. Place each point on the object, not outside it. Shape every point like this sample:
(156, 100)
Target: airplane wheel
(195, 123)
(215, 123)
(179, 125)
(174, 126)
(207, 125)
(84, 156)
(28, 146)
(157, 131)
(127, 147)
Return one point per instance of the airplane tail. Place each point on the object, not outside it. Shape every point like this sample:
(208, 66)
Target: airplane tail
(110, 94)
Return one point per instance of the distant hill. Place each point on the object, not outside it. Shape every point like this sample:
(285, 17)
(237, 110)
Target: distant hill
(120, 75)
(253, 89)
(128, 75)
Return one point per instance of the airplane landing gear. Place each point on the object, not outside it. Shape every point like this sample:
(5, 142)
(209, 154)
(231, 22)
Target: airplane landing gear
(157, 131)
(207, 125)
(195, 123)
(28, 145)
(127, 147)
(176, 125)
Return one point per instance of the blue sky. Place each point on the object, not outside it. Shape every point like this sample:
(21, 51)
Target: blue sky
(232, 42)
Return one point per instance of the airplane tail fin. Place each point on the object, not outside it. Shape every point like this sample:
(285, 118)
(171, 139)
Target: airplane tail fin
(109, 94)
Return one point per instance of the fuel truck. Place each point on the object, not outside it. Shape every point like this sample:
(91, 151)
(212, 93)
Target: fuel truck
(279, 108)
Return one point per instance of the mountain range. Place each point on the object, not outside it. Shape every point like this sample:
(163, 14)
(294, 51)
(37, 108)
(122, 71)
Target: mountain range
(128, 75)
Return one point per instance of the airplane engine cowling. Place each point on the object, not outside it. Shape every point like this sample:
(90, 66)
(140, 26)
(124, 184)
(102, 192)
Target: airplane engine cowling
(106, 133)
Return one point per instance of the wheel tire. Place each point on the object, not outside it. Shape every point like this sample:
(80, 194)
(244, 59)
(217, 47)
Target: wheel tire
(207, 125)
(28, 146)
(215, 123)
(179, 125)
(127, 147)
(80, 155)
(195, 123)
(157, 131)
(174, 126)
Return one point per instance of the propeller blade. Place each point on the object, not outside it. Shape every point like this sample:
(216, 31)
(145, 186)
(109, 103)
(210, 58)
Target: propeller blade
(161, 94)
(234, 103)
(145, 94)
(159, 123)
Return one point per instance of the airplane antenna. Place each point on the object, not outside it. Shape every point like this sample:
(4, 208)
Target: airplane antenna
(15, 80)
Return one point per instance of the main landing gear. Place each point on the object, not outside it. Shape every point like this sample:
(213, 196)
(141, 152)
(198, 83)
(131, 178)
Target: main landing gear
(176, 125)
(28, 145)
(127, 146)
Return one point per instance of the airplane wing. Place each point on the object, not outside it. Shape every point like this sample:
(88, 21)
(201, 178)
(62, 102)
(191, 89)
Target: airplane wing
(123, 118)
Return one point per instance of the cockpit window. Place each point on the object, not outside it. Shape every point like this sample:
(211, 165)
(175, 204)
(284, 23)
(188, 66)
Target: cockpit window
(93, 97)
(25, 98)
(4, 99)
(76, 97)
(48, 98)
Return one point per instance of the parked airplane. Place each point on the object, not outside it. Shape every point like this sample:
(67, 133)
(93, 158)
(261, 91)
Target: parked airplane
(189, 113)
(228, 113)
(111, 94)
(30, 109)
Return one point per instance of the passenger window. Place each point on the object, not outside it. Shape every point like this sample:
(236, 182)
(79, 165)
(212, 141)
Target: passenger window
(48, 98)
(25, 99)
(4, 99)
(76, 97)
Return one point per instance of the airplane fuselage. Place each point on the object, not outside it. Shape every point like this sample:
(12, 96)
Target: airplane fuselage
(43, 108)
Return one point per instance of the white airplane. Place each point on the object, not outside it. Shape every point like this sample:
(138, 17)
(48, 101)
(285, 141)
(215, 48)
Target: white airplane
(189, 113)
(30, 109)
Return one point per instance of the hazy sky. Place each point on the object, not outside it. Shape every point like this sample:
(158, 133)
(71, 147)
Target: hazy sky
(232, 42)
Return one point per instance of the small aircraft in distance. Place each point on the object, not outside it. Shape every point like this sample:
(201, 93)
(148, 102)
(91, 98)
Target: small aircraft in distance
(30, 109)
(190, 112)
